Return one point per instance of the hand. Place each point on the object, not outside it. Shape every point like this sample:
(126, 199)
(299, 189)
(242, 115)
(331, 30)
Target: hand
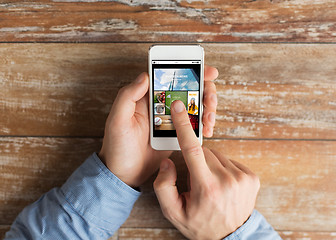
(126, 150)
(222, 192)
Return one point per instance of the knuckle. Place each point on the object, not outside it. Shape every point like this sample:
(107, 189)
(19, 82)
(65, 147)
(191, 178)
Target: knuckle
(169, 214)
(158, 185)
(211, 190)
(124, 90)
(255, 180)
(194, 150)
(241, 176)
(184, 122)
(232, 183)
(166, 213)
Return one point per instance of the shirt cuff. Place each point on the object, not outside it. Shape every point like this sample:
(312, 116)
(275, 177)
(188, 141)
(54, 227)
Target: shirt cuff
(99, 196)
(256, 227)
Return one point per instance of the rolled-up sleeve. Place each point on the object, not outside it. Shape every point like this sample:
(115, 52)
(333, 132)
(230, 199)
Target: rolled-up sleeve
(256, 227)
(92, 204)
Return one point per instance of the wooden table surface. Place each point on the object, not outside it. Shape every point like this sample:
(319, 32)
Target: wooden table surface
(62, 63)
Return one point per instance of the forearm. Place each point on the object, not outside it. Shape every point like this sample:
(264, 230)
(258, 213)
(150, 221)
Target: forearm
(256, 227)
(92, 204)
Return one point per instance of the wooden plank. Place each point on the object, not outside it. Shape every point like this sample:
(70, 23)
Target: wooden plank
(264, 91)
(170, 233)
(159, 233)
(149, 234)
(288, 235)
(115, 236)
(297, 178)
(5, 228)
(297, 183)
(168, 21)
(62, 90)
(32, 166)
(275, 91)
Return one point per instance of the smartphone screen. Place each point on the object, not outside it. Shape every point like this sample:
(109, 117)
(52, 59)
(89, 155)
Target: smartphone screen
(175, 80)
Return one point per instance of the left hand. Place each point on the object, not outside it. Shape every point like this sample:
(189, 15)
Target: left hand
(126, 149)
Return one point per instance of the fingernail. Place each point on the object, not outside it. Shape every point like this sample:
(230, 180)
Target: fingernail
(179, 107)
(164, 166)
(212, 118)
(214, 98)
(140, 78)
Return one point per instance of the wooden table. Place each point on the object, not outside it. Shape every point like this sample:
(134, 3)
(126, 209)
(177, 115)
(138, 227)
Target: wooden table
(62, 63)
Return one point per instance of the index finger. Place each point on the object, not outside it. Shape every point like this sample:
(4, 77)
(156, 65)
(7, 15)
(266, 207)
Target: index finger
(189, 144)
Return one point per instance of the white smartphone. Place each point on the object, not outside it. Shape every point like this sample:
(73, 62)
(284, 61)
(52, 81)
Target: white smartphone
(176, 72)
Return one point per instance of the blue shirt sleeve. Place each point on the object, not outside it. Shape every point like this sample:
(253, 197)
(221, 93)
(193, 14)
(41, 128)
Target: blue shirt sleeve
(92, 204)
(256, 227)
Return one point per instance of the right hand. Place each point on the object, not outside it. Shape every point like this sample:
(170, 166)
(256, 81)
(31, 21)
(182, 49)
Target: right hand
(222, 192)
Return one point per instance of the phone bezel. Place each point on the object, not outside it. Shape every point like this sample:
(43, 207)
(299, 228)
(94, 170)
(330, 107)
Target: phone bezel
(174, 52)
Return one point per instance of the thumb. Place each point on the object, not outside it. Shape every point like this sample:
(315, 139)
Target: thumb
(124, 105)
(166, 191)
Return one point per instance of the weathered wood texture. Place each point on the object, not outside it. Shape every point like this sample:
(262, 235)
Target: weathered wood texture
(152, 234)
(5, 228)
(149, 234)
(165, 234)
(288, 235)
(284, 91)
(297, 177)
(32, 166)
(168, 21)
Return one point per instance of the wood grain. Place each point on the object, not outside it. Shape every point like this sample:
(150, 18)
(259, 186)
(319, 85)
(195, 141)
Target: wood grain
(278, 99)
(289, 235)
(149, 234)
(3, 230)
(281, 91)
(152, 234)
(297, 177)
(168, 21)
(174, 234)
(32, 166)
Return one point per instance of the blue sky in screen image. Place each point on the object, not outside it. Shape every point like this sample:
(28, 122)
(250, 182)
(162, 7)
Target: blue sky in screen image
(175, 79)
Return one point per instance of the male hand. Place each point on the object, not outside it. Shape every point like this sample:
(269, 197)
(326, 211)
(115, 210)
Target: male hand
(126, 150)
(222, 192)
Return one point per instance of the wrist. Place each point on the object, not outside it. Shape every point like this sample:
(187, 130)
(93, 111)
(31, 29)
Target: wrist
(108, 165)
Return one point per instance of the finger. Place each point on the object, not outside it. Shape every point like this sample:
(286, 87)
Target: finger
(242, 167)
(207, 131)
(208, 118)
(142, 106)
(213, 162)
(166, 192)
(124, 106)
(190, 145)
(210, 105)
(210, 73)
(210, 96)
(233, 169)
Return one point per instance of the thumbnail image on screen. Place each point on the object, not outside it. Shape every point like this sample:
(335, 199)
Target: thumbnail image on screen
(175, 82)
